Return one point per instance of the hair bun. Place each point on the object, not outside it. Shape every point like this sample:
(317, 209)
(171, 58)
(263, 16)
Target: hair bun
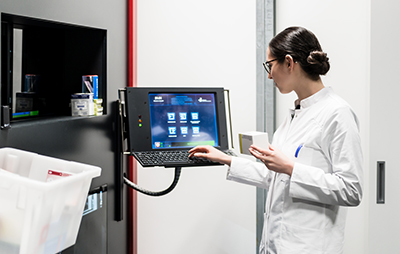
(298, 42)
(320, 62)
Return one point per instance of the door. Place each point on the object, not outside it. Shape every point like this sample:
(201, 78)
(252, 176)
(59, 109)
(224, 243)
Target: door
(384, 200)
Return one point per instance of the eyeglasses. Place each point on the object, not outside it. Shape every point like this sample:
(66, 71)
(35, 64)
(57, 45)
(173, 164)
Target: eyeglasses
(267, 66)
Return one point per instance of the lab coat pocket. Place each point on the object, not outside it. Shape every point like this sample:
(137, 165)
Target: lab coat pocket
(304, 153)
(296, 239)
(313, 156)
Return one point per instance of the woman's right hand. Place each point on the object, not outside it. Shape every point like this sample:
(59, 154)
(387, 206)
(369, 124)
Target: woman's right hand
(273, 158)
(210, 153)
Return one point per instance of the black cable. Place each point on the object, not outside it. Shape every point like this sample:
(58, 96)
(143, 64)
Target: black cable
(152, 193)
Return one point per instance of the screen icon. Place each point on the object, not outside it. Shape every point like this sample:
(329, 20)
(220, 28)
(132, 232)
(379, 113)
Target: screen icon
(171, 116)
(172, 130)
(183, 116)
(184, 130)
(195, 115)
(196, 129)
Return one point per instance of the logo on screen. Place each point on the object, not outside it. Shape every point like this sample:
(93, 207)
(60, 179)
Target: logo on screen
(158, 99)
(203, 100)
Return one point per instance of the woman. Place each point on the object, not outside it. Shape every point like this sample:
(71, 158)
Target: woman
(313, 168)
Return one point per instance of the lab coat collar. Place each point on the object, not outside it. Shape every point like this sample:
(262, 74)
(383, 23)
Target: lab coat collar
(313, 99)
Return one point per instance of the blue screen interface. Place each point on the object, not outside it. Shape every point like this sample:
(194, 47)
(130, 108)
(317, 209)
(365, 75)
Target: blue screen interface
(183, 120)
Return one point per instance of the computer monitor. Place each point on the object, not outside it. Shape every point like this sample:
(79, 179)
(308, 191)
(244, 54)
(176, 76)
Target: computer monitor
(165, 118)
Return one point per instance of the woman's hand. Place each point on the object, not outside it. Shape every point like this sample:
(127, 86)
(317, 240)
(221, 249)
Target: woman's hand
(273, 158)
(210, 153)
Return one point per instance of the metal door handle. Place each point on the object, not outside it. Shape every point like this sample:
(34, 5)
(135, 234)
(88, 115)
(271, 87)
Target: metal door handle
(380, 183)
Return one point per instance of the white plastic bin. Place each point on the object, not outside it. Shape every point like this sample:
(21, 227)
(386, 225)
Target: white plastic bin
(41, 201)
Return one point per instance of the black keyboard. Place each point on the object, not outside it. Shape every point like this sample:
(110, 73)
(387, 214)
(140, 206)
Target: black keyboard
(172, 158)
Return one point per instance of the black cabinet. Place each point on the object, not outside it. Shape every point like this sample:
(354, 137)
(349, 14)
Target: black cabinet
(61, 53)
(56, 55)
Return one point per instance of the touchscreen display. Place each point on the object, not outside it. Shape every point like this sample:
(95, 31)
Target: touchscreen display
(183, 120)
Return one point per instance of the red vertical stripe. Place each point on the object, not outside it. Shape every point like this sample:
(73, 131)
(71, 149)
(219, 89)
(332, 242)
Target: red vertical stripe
(132, 82)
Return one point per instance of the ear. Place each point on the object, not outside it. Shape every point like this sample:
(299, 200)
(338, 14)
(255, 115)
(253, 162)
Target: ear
(289, 61)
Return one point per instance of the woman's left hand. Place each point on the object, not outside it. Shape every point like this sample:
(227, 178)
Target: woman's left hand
(273, 158)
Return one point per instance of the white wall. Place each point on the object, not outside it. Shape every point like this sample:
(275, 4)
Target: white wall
(212, 43)
(191, 43)
(343, 29)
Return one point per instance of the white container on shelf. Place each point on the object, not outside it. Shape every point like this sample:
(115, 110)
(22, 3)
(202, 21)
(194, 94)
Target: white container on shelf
(41, 201)
(82, 104)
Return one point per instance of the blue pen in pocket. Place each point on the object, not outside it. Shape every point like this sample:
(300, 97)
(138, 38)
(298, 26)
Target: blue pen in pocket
(298, 150)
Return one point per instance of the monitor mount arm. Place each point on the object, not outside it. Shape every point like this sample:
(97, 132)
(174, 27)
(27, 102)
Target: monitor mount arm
(153, 193)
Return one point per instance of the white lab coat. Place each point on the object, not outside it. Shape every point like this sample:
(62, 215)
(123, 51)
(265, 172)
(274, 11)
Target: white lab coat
(305, 213)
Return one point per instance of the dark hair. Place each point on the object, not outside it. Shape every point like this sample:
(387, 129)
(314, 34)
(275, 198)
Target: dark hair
(304, 48)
